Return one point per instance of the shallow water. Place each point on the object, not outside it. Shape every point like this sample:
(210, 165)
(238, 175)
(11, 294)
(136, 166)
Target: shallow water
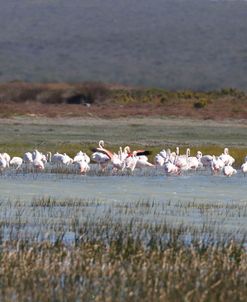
(192, 187)
(211, 206)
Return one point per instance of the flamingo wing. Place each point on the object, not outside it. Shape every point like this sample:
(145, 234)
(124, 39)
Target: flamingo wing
(104, 151)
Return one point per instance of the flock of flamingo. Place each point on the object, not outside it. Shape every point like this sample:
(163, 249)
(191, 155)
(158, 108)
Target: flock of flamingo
(172, 162)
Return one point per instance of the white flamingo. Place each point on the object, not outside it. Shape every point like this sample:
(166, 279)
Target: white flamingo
(192, 162)
(229, 170)
(244, 166)
(39, 156)
(172, 156)
(170, 168)
(6, 156)
(81, 162)
(137, 159)
(16, 162)
(81, 166)
(39, 160)
(61, 159)
(159, 160)
(81, 156)
(3, 163)
(100, 157)
(117, 160)
(217, 165)
(227, 158)
(28, 158)
(181, 161)
(38, 164)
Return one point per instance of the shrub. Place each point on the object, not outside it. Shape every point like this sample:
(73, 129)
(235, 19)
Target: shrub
(201, 103)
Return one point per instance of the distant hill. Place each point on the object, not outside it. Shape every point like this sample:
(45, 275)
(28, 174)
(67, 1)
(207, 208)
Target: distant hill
(174, 44)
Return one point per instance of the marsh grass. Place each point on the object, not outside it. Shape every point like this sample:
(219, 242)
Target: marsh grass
(88, 219)
(69, 136)
(122, 271)
(238, 153)
(93, 250)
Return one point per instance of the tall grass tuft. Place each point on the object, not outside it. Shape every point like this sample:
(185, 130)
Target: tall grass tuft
(122, 271)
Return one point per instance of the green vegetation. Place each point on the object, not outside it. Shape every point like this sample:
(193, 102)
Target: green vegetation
(71, 135)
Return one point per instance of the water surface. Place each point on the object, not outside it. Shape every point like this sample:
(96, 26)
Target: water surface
(200, 187)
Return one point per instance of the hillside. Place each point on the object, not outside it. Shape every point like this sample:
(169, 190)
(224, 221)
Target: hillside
(174, 44)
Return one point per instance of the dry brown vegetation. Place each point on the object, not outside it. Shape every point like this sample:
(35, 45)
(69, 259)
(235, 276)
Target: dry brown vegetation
(112, 101)
(122, 272)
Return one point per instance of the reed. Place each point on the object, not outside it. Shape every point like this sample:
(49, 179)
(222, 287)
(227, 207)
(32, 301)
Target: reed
(122, 271)
(93, 250)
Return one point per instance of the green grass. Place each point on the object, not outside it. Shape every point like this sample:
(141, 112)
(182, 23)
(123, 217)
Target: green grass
(71, 135)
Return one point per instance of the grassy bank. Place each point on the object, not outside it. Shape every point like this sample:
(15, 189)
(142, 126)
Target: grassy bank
(73, 134)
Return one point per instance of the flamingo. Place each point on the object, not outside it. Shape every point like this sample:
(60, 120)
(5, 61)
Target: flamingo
(192, 161)
(81, 166)
(105, 156)
(38, 164)
(28, 158)
(81, 156)
(6, 156)
(118, 162)
(181, 161)
(244, 166)
(101, 157)
(131, 163)
(39, 160)
(134, 161)
(217, 165)
(171, 156)
(56, 158)
(159, 160)
(38, 156)
(163, 153)
(49, 156)
(66, 160)
(3, 163)
(16, 162)
(229, 170)
(137, 159)
(204, 160)
(139, 153)
(143, 162)
(81, 162)
(226, 158)
(171, 168)
(61, 159)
